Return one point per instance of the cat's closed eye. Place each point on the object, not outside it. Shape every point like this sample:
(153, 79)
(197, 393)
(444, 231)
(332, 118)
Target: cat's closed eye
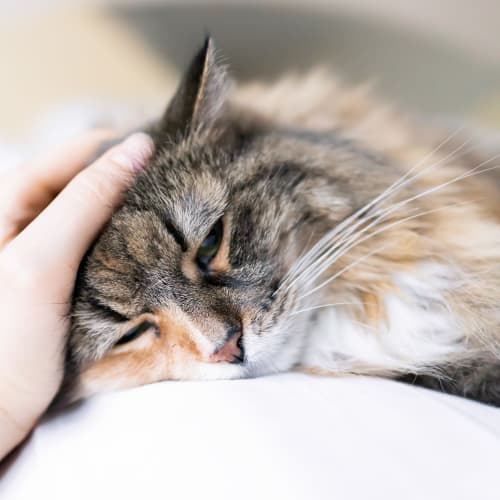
(135, 332)
(210, 246)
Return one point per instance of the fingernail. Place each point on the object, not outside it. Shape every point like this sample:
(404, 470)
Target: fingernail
(134, 152)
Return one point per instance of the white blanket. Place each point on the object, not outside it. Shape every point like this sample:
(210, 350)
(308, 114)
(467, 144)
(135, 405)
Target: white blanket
(290, 436)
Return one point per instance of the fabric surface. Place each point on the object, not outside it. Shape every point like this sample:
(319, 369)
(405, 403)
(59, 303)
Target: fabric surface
(289, 436)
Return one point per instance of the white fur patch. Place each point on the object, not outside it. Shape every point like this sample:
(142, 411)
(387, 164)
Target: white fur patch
(420, 331)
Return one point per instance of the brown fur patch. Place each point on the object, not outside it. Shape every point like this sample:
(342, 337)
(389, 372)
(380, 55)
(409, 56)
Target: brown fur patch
(221, 263)
(139, 363)
(374, 309)
(176, 331)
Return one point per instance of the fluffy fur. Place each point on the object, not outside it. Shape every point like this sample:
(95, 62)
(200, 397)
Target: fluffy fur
(355, 241)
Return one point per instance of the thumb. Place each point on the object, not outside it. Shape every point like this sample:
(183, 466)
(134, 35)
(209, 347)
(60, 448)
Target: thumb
(63, 232)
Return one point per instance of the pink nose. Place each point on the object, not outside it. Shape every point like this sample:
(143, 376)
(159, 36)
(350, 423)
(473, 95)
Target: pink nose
(231, 351)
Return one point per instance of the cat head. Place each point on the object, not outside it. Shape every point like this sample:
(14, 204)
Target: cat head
(188, 279)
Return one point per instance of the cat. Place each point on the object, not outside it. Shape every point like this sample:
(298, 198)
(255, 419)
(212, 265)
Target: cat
(293, 225)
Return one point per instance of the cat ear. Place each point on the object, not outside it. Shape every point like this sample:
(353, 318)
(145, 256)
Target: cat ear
(201, 95)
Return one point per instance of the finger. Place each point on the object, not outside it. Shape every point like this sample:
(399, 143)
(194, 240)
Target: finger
(26, 192)
(62, 233)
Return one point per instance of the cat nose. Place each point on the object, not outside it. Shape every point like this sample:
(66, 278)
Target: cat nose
(232, 351)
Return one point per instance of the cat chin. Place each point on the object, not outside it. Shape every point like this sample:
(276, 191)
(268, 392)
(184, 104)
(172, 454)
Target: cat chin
(277, 351)
(87, 386)
(209, 371)
(285, 358)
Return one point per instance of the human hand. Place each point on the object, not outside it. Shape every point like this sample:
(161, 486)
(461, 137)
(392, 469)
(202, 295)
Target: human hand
(50, 213)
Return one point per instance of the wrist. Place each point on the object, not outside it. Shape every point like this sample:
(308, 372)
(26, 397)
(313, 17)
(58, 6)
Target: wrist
(13, 431)
(19, 413)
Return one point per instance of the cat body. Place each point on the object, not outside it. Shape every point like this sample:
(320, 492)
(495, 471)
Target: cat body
(294, 225)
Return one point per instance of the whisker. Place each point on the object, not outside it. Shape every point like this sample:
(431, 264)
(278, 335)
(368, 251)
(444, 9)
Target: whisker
(343, 226)
(452, 155)
(343, 270)
(470, 173)
(371, 235)
(321, 306)
(385, 212)
(346, 239)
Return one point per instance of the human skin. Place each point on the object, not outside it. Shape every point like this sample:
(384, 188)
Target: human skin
(50, 213)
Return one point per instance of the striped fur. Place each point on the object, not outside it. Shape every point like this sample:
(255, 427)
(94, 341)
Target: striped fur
(355, 241)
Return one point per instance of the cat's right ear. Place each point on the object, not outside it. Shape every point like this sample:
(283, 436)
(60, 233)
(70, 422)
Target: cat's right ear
(201, 96)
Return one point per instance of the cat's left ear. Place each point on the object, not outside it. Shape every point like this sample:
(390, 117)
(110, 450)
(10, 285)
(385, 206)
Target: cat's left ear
(201, 95)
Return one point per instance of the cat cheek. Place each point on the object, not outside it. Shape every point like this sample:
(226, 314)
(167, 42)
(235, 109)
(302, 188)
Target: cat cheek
(152, 357)
(123, 370)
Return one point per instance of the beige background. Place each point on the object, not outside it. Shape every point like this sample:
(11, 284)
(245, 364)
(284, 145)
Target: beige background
(56, 52)
(472, 25)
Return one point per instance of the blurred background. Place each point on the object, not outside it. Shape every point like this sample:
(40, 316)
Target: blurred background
(68, 65)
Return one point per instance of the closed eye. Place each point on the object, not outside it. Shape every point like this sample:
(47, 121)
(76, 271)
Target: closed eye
(135, 332)
(218, 279)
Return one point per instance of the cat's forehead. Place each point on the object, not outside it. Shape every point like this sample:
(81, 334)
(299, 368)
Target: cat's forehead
(264, 184)
(186, 187)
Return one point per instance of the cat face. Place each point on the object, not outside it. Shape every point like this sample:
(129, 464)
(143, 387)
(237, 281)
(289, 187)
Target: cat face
(184, 283)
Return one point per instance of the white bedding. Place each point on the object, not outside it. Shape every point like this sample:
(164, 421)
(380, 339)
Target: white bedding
(291, 436)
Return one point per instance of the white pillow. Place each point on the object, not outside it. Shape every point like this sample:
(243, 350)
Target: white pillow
(291, 436)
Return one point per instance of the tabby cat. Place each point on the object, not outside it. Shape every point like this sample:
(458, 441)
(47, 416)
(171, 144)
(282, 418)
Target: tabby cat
(294, 225)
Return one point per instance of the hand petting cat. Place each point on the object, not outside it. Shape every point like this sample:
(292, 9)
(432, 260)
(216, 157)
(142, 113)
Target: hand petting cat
(50, 213)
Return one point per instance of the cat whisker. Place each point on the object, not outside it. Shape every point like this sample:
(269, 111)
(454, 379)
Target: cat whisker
(346, 241)
(397, 184)
(371, 235)
(322, 306)
(343, 270)
(325, 260)
(321, 246)
(355, 241)
(382, 215)
(470, 173)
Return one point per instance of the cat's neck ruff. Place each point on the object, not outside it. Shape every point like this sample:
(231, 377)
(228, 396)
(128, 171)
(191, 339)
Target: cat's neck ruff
(419, 329)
